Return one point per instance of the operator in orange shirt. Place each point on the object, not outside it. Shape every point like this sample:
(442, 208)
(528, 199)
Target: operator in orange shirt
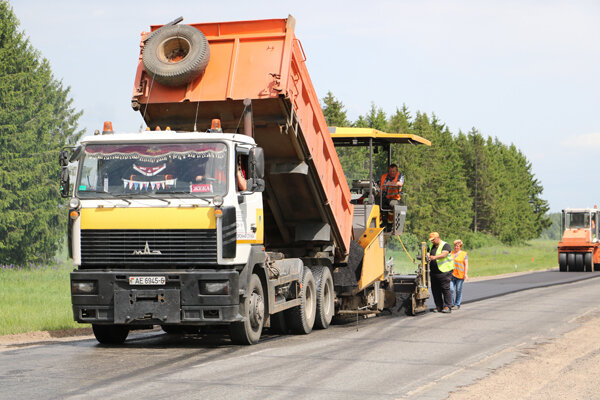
(390, 185)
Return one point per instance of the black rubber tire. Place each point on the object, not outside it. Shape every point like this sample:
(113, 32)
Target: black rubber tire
(562, 262)
(587, 262)
(278, 324)
(110, 334)
(249, 330)
(579, 262)
(597, 267)
(571, 262)
(325, 296)
(301, 319)
(177, 39)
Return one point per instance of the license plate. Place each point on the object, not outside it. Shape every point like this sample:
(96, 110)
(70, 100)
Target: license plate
(147, 280)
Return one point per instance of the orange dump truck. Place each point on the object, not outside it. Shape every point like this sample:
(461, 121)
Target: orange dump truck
(579, 249)
(233, 208)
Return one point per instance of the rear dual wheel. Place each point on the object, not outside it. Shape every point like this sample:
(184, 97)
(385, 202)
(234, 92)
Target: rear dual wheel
(325, 296)
(301, 319)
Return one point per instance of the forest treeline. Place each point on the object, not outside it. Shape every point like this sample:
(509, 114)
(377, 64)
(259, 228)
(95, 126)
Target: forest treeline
(36, 120)
(464, 185)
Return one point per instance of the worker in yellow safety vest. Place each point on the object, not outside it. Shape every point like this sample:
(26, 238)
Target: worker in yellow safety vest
(460, 272)
(441, 266)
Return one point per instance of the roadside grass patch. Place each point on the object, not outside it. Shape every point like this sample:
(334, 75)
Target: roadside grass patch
(35, 298)
(498, 259)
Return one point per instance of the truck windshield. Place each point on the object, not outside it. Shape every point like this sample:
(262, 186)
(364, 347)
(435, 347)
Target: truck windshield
(130, 170)
(577, 220)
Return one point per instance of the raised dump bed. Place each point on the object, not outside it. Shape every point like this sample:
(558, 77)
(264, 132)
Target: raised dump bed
(307, 197)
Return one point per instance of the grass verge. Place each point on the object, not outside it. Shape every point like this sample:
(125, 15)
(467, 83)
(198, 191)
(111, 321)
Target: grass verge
(35, 299)
(534, 255)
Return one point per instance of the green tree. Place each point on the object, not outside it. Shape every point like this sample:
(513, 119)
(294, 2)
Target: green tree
(36, 121)
(334, 111)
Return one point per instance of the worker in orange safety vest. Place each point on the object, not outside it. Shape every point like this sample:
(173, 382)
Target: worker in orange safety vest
(390, 185)
(460, 273)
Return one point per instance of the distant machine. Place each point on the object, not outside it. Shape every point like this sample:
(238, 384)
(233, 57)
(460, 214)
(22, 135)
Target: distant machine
(578, 249)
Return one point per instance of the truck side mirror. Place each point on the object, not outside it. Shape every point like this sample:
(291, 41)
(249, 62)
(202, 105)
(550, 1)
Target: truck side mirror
(75, 154)
(65, 156)
(256, 173)
(257, 163)
(65, 183)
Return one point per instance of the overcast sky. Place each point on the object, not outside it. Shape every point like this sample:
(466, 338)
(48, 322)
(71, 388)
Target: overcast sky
(523, 71)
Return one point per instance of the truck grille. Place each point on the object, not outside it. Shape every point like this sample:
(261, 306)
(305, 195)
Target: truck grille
(130, 248)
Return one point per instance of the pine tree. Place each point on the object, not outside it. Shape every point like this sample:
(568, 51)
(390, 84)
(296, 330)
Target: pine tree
(36, 121)
(334, 111)
(400, 122)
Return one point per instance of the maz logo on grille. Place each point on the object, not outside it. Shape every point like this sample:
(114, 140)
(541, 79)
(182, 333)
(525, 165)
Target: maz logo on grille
(146, 251)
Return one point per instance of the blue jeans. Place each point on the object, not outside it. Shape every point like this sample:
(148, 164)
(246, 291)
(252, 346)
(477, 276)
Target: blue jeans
(456, 288)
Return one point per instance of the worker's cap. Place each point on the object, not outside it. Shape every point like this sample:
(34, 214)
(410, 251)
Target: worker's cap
(433, 235)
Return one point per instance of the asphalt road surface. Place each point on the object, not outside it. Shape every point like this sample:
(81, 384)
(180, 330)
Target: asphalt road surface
(387, 357)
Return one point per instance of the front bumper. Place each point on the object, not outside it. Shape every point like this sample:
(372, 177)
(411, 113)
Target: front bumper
(178, 301)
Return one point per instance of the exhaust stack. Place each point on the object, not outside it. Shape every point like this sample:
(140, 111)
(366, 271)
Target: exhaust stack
(248, 117)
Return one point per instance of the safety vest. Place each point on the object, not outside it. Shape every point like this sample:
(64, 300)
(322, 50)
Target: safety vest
(444, 264)
(459, 264)
(393, 192)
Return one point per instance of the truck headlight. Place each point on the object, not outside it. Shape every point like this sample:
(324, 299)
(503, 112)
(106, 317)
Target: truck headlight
(214, 287)
(84, 287)
(218, 201)
(74, 203)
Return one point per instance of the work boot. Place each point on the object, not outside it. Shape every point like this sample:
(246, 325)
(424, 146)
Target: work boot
(446, 310)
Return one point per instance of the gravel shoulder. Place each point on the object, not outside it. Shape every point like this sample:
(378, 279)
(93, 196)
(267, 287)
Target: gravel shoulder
(565, 367)
(10, 342)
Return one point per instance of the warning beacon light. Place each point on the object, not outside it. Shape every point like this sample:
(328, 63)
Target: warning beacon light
(108, 129)
(215, 125)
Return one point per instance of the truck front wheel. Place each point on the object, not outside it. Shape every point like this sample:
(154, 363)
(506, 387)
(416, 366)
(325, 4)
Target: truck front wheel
(110, 334)
(249, 330)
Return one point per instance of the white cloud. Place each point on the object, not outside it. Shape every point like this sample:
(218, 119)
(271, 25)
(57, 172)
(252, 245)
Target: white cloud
(588, 141)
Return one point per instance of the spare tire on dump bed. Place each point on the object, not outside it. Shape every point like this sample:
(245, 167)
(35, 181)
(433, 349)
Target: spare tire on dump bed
(175, 55)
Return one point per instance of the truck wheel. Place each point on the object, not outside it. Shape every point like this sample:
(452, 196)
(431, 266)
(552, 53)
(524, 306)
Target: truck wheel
(301, 318)
(249, 330)
(587, 262)
(571, 262)
(579, 262)
(110, 334)
(176, 54)
(325, 296)
(278, 324)
(562, 262)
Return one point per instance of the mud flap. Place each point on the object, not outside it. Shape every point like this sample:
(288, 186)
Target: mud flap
(163, 305)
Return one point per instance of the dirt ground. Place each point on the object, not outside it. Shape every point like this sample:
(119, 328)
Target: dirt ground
(567, 367)
(10, 342)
